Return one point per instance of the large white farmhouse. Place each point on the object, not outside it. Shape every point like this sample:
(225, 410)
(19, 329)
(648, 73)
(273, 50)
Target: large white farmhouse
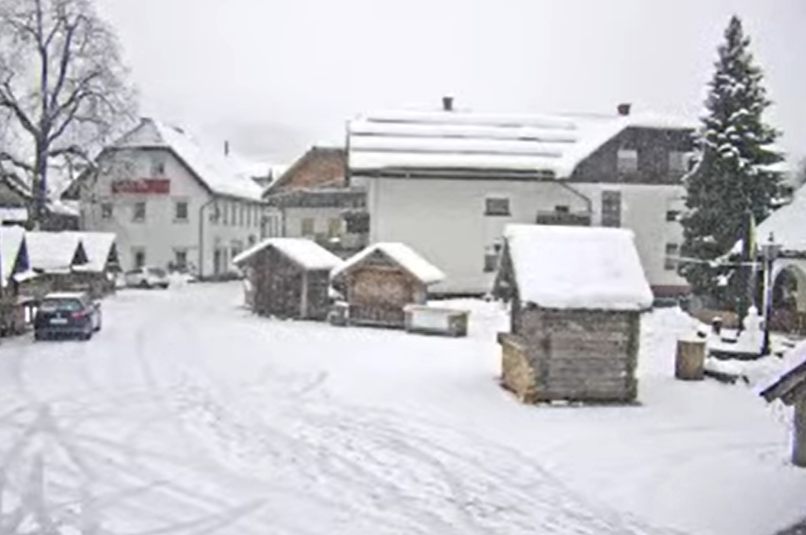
(448, 182)
(172, 202)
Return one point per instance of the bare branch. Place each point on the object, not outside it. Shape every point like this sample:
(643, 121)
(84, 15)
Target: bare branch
(16, 162)
(9, 102)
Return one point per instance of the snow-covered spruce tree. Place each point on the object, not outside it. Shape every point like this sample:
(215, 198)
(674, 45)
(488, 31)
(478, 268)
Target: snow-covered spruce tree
(731, 176)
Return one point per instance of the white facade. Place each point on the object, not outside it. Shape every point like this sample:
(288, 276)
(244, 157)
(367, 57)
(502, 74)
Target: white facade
(445, 220)
(173, 227)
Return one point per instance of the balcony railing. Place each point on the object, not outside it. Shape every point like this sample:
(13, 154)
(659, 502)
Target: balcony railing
(575, 219)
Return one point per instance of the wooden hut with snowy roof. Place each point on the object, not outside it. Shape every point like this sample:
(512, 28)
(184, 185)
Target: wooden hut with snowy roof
(576, 294)
(97, 275)
(53, 256)
(790, 389)
(289, 277)
(13, 263)
(380, 281)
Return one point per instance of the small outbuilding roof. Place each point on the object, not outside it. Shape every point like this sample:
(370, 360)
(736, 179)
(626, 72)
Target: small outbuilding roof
(403, 255)
(787, 224)
(98, 246)
(577, 267)
(791, 385)
(306, 253)
(54, 251)
(12, 244)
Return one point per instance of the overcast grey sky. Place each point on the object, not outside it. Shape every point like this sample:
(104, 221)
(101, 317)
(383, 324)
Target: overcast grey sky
(276, 76)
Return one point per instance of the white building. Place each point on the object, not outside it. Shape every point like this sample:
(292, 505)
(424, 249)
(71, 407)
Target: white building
(448, 182)
(173, 203)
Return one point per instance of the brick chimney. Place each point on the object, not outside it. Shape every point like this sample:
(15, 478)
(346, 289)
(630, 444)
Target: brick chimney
(624, 109)
(447, 103)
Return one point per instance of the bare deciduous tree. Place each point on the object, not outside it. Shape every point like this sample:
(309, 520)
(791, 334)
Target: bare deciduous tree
(63, 86)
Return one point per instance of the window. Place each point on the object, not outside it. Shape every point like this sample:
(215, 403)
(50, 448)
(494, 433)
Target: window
(139, 257)
(562, 209)
(242, 216)
(334, 227)
(181, 211)
(107, 210)
(677, 162)
(672, 215)
(252, 240)
(139, 212)
(224, 214)
(496, 206)
(611, 208)
(157, 165)
(627, 161)
(491, 255)
(672, 251)
(181, 259)
(249, 216)
(307, 226)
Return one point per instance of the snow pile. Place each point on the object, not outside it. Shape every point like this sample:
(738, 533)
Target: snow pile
(417, 266)
(462, 140)
(52, 251)
(578, 267)
(11, 242)
(222, 175)
(306, 253)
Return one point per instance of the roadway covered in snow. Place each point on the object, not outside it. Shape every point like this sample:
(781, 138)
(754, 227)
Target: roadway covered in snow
(187, 415)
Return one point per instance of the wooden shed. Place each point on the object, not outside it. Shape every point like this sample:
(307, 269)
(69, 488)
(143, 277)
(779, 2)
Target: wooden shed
(97, 275)
(288, 278)
(576, 295)
(380, 281)
(53, 256)
(790, 389)
(13, 262)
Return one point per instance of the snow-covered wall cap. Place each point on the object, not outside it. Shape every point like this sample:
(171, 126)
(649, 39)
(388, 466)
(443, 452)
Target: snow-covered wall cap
(11, 240)
(787, 225)
(417, 266)
(306, 253)
(224, 175)
(97, 247)
(577, 267)
(465, 140)
(52, 251)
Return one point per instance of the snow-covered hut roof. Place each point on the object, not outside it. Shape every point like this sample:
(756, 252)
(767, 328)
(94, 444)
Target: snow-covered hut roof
(98, 247)
(577, 267)
(787, 225)
(54, 251)
(403, 255)
(306, 253)
(220, 174)
(12, 240)
(462, 140)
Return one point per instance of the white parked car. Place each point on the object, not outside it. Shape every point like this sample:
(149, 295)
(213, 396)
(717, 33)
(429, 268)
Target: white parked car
(147, 277)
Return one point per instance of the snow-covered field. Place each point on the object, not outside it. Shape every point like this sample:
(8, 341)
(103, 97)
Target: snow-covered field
(187, 415)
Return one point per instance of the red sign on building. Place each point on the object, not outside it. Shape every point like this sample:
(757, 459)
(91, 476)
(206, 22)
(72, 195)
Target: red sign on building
(147, 186)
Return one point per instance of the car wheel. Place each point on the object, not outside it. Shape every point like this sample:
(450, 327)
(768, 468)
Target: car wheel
(86, 336)
(39, 336)
(164, 286)
(144, 284)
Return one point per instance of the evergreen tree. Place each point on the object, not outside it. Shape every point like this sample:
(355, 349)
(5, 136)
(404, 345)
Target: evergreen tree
(731, 178)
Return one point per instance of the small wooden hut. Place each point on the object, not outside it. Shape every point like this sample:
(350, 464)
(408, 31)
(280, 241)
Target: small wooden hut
(53, 256)
(380, 281)
(13, 263)
(288, 278)
(790, 389)
(97, 275)
(576, 295)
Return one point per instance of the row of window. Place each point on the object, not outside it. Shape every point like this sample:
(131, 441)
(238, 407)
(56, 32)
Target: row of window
(229, 215)
(181, 211)
(181, 258)
(627, 161)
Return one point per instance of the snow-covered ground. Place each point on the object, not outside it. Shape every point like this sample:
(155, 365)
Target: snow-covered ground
(187, 415)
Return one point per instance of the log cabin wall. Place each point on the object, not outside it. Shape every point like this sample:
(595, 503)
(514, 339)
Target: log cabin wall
(278, 285)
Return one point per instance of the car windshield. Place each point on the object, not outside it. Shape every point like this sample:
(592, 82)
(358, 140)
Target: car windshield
(157, 272)
(53, 305)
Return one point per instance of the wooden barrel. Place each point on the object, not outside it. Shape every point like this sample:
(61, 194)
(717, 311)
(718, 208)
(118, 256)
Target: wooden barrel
(690, 360)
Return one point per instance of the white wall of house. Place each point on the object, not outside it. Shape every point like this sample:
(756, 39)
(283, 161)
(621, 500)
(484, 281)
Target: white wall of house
(161, 236)
(445, 220)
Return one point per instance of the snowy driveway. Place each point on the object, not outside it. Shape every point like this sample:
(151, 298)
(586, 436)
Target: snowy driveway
(186, 415)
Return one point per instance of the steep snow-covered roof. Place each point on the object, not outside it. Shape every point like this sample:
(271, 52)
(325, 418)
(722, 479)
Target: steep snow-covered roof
(417, 266)
(11, 241)
(577, 267)
(52, 251)
(462, 140)
(221, 174)
(787, 224)
(306, 253)
(97, 246)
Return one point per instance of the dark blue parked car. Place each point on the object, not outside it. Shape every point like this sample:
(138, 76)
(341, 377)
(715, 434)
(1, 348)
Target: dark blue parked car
(67, 315)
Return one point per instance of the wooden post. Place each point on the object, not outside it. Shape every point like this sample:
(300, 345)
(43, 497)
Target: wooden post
(799, 438)
(690, 361)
